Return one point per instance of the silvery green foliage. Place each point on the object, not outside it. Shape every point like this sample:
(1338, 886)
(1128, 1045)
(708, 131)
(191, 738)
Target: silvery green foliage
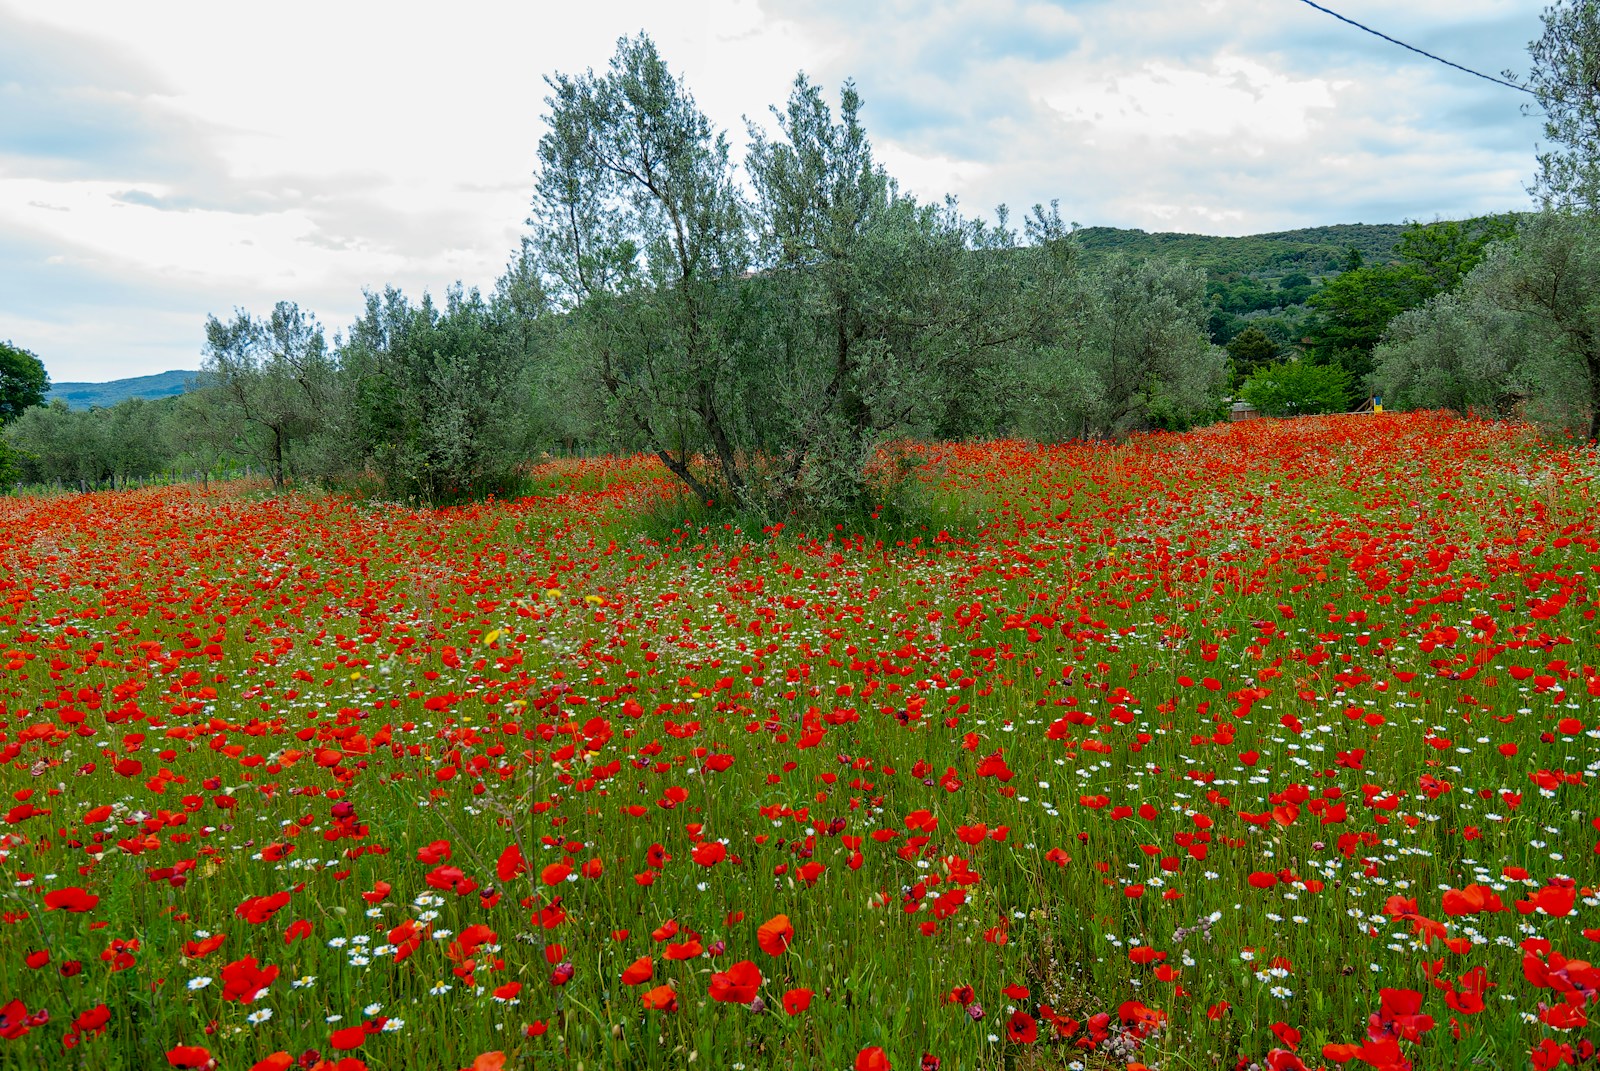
(1144, 342)
(827, 228)
(1566, 80)
(893, 318)
(58, 444)
(275, 391)
(767, 351)
(1523, 328)
(434, 394)
(641, 232)
(1453, 353)
(1060, 397)
(560, 404)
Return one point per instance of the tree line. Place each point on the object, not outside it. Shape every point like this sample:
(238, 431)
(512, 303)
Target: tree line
(762, 330)
(1520, 335)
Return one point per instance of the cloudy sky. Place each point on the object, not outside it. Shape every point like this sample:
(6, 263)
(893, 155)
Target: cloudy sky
(167, 160)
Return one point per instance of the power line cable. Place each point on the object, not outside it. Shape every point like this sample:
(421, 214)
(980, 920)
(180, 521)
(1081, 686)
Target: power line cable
(1420, 52)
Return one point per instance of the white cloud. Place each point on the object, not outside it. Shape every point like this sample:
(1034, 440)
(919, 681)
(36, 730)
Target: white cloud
(210, 155)
(1237, 99)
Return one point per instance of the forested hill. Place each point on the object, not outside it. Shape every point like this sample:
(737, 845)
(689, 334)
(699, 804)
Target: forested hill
(1312, 251)
(104, 395)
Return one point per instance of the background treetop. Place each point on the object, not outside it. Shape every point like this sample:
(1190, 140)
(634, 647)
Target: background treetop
(23, 381)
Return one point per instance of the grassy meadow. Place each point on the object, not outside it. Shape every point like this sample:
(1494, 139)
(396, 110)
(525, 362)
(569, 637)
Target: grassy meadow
(1271, 744)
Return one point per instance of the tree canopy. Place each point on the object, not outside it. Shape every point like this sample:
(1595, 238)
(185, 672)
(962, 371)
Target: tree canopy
(1521, 328)
(1565, 78)
(23, 381)
(785, 337)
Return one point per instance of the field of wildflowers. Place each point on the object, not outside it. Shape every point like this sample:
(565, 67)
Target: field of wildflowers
(1273, 744)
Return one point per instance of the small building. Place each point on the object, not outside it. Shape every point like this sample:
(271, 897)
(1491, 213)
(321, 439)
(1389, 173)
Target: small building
(1243, 411)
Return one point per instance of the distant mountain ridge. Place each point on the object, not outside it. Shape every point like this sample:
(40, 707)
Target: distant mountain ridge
(105, 395)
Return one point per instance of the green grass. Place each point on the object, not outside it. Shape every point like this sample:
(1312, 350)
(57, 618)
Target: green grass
(531, 673)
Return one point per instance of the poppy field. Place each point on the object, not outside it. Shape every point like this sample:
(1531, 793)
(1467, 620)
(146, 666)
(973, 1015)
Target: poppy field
(1269, 745)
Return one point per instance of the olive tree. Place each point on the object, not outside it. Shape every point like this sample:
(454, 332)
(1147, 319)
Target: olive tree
(641, 232)
(891, 317)
(1525, 325)
(434, 395)
(1565, 79)
(1456, 352)
(1144, 340)
(274, 389)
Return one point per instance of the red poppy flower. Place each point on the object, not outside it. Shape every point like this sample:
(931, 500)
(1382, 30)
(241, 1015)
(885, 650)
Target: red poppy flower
(436, 852)
(661, 998)
(278, 1061)
(872, 1058)
(243, 980)
(710, 853)
(72, 898)
(92, 1021)
(190, 1056)
(16, 1020)
(1022, 1028)
(639, 972)
(510, 864)
(351, 1037)
(796, 1001)
(775, 935)
(737, 985)
(690, 949)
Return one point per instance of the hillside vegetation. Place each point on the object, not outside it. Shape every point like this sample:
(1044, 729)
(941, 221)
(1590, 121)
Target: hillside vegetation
(1309, 250)
(104, 395)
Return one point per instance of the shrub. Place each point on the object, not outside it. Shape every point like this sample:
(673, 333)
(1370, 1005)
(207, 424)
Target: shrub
(1294, 388)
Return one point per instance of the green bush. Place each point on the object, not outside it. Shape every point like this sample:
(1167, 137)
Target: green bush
(1294, 388)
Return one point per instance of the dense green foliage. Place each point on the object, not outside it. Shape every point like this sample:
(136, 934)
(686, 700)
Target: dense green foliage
(1250, 349)
(134, 439)
(432, 394)
(1297, 388)
(1522, 329)
(1352, 310)
(1566, 81)
(23, 381)
(23, 384)
(1312, 251)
